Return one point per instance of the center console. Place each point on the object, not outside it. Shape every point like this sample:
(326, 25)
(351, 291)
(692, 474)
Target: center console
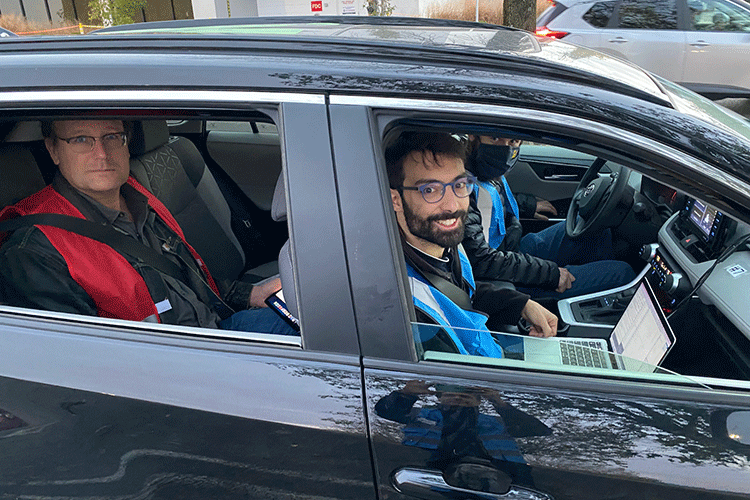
(697, 234)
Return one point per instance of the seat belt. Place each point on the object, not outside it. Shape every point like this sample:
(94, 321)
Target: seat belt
(453, 292)
(484, 204)
(121, 243)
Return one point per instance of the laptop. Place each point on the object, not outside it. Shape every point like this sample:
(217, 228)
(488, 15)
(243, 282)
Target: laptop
(640, 340)
(277, 304)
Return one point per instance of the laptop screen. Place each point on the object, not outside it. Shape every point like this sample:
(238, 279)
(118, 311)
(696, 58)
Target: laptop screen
(643, 332)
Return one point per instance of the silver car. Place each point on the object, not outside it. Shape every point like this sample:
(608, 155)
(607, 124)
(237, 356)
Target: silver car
(702, 44)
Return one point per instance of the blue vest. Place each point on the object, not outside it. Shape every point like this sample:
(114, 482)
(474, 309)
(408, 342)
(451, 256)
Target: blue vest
(469, 332)
(494, 225)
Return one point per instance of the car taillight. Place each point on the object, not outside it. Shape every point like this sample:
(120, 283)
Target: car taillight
(545, 31)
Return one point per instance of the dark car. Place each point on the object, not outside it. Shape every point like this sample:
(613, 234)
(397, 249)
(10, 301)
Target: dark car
(265, 139)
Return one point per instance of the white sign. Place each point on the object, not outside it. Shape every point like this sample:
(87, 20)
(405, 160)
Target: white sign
(736, 270)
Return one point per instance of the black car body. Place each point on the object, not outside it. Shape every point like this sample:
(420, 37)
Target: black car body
(103, 408)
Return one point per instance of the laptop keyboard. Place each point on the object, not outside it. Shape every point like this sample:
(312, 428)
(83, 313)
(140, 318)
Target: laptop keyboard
(583, 353)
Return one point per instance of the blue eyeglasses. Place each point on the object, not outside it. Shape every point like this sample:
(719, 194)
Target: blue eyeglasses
(433, 192)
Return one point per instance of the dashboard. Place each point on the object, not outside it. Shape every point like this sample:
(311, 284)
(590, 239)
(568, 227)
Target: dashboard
(689, 243)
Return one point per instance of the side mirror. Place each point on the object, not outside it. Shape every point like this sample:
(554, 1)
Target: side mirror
(731, 426)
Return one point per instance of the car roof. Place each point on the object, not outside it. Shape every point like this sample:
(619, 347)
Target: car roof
(433, 36)
(369, 57)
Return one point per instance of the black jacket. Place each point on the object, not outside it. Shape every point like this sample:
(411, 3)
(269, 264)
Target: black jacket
(505, 263)
(503, 305)
(34, 274)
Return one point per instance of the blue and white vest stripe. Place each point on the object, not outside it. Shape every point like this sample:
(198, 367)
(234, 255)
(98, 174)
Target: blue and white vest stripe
(494, 223)
(470, 334)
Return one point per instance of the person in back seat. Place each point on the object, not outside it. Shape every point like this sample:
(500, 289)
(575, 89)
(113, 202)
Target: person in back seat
(48, 267)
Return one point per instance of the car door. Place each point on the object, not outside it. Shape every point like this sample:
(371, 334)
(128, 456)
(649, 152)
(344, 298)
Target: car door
(547, 173)
(646, 33)
(103, 408)
(717, 58)
(450, 426)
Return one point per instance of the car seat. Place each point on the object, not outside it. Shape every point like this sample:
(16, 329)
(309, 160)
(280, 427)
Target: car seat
(286, 273)
(19, 172)
(173, 169)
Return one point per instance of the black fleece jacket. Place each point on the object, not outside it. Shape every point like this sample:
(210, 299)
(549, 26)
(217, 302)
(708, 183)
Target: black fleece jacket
(505, 263)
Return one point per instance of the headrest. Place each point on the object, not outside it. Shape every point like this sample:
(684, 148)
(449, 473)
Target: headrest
(20, 174)
(278, 205)
(721, 17)
(148, 135)
(25, 132)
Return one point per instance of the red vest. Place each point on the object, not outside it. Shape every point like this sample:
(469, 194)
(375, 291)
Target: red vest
(114, 285)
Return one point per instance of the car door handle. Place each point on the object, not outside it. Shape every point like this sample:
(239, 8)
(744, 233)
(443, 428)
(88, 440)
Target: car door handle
(430, 485)
(619, 39)
(700, 43)
(562, 177)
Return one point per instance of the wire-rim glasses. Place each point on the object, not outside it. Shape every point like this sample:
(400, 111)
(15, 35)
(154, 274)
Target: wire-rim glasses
(433, 192)
(85, 143)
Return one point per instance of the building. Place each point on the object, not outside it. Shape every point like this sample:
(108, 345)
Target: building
(160, 10)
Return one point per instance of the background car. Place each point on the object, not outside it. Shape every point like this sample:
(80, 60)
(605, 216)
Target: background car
(6, 33)
(285, 122)
(701, 45)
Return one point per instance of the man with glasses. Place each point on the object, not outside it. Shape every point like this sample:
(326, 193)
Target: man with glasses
(56, 267)
(430, 194)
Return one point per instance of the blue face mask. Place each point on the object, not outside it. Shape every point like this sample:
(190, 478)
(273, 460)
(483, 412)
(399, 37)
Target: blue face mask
(492, 161)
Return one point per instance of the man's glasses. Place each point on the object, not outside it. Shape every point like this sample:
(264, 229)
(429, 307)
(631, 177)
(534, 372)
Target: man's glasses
(85, 143)
(433, 192)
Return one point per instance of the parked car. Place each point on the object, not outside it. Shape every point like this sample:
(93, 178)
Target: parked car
(6, 33)
(287, 120)
(701, 45)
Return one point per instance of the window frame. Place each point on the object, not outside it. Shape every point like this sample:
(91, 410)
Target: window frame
(309, 112)
(385, 112)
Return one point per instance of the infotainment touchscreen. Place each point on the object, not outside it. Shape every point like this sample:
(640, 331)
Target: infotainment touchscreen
(705, 219)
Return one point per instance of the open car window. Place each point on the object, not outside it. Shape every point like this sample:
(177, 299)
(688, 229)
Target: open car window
(670, 238)
(222, 193)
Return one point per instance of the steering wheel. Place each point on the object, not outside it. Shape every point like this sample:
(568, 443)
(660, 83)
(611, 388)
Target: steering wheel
(596, 202)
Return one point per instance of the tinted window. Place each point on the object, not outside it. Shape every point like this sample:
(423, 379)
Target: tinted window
(648, 14)
(599, 14)
(718, 15)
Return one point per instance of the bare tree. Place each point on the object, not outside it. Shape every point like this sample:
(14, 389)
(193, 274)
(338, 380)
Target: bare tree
(520, 14)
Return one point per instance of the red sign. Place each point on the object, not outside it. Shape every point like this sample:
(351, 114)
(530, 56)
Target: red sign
(316, 5)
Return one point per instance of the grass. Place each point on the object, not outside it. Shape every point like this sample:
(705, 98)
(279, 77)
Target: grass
(490, 11)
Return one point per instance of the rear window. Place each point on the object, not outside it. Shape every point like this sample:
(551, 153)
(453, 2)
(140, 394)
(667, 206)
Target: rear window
(550, 13)
(599, 14)
(648, 14)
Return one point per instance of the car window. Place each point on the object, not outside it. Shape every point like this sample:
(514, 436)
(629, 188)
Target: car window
(530, 353)
(660, 328)
(599, 14)
(234, 239)
(718, 15)
(648, 14)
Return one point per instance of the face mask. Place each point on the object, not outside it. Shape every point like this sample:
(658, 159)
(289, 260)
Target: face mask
(492, 161)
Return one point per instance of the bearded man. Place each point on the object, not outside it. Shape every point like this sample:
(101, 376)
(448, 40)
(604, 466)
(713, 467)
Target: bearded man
(430, 191)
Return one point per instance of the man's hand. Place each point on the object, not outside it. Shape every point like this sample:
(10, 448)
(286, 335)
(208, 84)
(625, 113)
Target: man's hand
(416, 388)
(566, 280)
(262, 291)
(543, 323)
(546, 207)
